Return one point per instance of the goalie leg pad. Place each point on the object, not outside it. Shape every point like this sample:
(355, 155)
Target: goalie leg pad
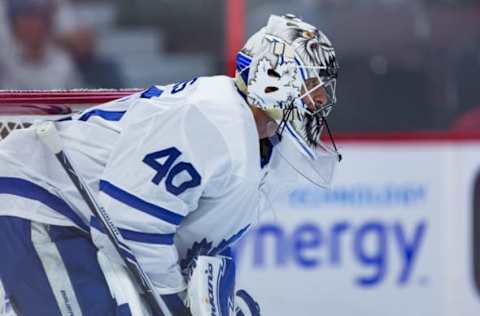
(51, 270)
(211, 286)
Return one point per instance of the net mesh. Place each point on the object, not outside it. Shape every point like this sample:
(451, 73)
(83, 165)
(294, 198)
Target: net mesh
(8, 124)
(20, 109)
(13, 122)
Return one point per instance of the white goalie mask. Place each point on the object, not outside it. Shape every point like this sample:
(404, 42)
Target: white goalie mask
(281, 70)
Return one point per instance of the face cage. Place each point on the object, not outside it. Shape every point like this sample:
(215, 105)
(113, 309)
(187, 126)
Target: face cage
(321, 109)
(308, 117)
(329, 84)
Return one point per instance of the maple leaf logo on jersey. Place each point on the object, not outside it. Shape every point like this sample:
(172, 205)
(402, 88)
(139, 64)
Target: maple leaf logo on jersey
(268, 85)
(205, 248)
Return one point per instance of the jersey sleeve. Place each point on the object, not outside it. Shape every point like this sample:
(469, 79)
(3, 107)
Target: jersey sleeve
(164, 161)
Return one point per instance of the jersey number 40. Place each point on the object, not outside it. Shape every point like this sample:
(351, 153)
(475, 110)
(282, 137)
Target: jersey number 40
(170, 169)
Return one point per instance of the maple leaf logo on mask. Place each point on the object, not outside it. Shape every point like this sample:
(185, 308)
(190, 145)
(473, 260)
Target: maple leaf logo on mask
(278, 89)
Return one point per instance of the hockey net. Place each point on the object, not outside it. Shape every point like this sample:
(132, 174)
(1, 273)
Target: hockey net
(19, 109)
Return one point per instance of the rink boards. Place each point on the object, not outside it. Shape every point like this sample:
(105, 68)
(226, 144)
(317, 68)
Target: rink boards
(394, 236)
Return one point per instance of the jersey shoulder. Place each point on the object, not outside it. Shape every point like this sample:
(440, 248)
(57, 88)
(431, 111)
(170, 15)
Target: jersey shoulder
(208, 113)
(222, 104)
(161, 132)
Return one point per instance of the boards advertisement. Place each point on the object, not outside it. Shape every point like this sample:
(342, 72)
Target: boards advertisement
(397, 234)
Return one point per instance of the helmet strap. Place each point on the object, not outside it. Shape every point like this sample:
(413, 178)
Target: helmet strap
(330, 135)
(283, 122)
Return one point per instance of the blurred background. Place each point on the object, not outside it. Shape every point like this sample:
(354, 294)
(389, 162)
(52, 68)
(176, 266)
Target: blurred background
(399, 232)
(406, 64)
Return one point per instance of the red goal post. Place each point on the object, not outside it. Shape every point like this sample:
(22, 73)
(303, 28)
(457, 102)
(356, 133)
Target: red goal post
(20, 108)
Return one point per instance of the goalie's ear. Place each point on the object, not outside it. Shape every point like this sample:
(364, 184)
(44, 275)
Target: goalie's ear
(211, 286)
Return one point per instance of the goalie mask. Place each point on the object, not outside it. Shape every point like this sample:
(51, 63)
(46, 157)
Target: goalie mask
(289, 70)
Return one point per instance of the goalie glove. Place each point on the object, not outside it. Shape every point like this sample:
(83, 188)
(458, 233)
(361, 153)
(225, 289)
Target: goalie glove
(211, 286)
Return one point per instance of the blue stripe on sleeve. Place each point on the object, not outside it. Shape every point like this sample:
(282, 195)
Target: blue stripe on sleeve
(161, 239)
(26, 189)
(106, 115)
(139, 204)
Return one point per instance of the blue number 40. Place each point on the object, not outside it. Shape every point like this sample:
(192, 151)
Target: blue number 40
(170, 169)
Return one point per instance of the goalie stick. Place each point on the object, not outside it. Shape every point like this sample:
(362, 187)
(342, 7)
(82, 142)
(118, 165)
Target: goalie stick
(48, 134)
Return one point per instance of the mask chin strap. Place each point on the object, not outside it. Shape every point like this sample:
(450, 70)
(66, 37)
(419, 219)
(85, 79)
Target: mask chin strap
(330, 135)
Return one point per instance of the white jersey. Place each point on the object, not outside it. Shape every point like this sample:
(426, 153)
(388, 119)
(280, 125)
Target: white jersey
(176, 167)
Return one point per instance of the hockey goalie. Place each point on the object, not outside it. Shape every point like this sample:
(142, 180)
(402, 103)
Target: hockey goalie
(131, 207)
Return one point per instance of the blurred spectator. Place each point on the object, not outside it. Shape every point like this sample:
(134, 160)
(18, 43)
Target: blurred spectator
(33, 61)
(66, 17)
(80, 40)
(95, 70)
